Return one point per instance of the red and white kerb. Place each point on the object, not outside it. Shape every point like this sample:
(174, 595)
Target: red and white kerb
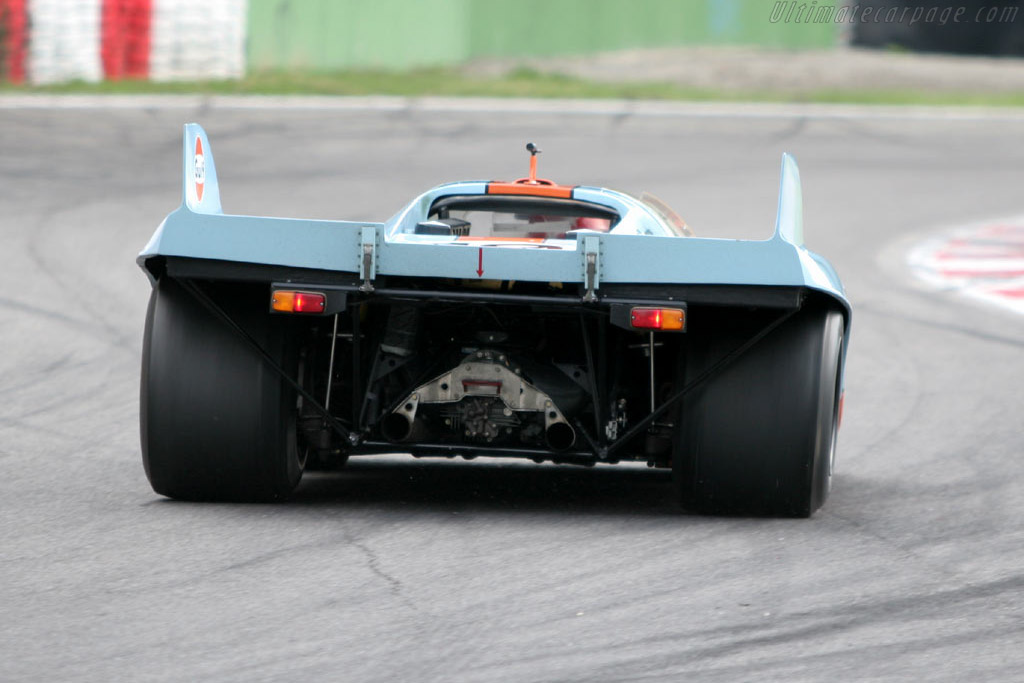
(984, 262)
(53, 41)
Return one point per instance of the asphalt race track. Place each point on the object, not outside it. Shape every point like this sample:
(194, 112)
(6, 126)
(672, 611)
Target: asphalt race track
(401, 570)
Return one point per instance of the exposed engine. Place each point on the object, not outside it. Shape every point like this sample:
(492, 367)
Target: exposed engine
(469, 378)
(481, 419)
(485, 399)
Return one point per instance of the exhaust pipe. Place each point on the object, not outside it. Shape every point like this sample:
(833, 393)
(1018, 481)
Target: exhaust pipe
(396, 428)
(560, 436)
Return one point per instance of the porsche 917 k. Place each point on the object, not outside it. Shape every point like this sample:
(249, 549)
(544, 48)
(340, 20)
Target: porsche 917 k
(561, 323)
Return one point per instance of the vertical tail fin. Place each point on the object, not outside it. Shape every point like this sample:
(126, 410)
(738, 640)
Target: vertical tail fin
(789, 222)
(200, 191)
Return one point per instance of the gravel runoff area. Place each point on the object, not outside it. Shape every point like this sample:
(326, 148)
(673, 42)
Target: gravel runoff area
(748, 69)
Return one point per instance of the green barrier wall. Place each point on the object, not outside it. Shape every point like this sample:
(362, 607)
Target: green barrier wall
(337, 34)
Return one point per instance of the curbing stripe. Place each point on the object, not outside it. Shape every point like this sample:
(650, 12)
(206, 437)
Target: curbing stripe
(980, 261)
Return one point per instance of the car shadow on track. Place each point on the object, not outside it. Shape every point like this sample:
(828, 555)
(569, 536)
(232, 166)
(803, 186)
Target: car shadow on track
(489, 485)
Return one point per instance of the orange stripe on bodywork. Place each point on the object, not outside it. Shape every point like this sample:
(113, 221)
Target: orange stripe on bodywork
(535, 190)
(532, 240)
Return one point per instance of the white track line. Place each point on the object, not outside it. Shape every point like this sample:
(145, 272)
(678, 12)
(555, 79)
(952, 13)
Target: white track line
(490, 105)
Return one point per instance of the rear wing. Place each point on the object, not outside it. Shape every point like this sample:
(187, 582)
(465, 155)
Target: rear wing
(200, 230)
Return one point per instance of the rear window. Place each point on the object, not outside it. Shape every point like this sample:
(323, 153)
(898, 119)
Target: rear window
(516, 217)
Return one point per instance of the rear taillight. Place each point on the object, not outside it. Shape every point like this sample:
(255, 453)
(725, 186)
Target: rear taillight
(665, 319)
(287, 301)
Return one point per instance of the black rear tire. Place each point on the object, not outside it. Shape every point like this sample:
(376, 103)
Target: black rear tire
(217, 422)
(760, 436)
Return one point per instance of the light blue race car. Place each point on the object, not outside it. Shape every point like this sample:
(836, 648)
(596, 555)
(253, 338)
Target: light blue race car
(528, 319)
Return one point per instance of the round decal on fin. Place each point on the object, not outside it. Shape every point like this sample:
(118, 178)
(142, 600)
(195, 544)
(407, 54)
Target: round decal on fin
(199, 169)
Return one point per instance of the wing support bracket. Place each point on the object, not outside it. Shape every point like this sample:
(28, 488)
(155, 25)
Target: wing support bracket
(591, 266)
(368, 258)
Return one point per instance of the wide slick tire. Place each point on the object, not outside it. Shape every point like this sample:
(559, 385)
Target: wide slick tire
(217, 421)
(759, 437)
